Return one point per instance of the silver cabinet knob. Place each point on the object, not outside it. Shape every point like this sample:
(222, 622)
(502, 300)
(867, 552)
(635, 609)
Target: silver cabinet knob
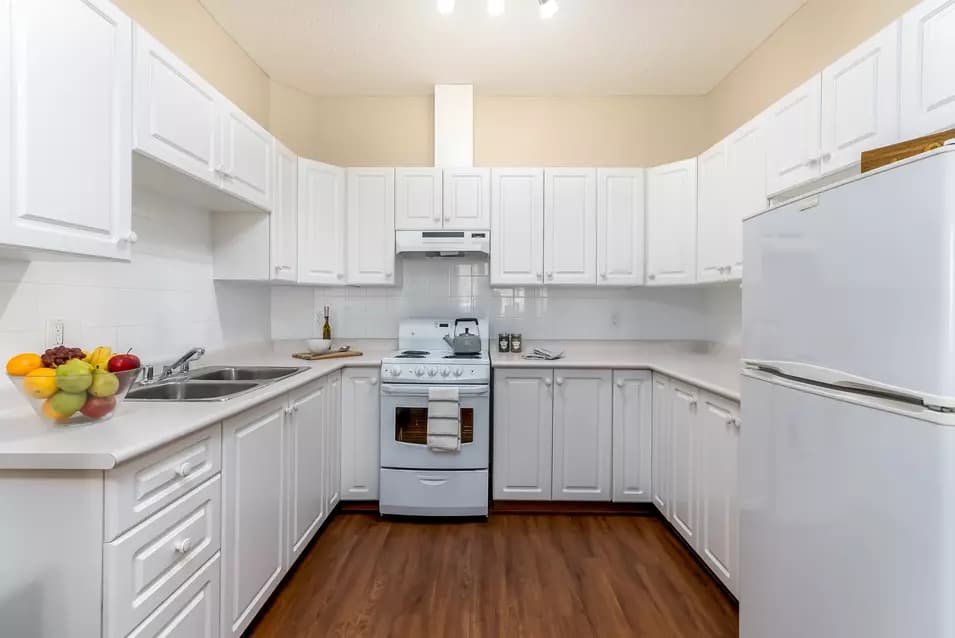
(184, 470)
(387, 275)
(184, 545)
(547, 382)
(652, 277)
(560, 381)
(620, 383)
(374, 381)
(603, 275)
(340, 276)
(550, 275)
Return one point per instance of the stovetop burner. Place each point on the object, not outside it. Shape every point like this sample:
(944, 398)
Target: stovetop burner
(412, 354)
(463, 356)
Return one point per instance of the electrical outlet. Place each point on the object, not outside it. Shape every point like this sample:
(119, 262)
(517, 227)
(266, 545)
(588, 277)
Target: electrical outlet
(54, 333)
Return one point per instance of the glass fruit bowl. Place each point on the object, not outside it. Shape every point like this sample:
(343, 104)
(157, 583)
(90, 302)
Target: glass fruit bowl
(74, 398)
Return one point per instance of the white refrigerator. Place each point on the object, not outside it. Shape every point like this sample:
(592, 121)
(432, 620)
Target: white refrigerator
(847, 445)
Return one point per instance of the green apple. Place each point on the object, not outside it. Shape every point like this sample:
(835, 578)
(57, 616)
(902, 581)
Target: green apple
(66, 403)
(74, 376)
(105, 384)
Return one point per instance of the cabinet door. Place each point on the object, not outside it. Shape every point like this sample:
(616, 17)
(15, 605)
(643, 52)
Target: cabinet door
(793, 147)
(360, 434)
(570, 226)
(191, 612)
(467, 198)
(517, 227)
(746, 176)
(684, 407)
(333, 442)
(284, 218)
(67, 65)
(662, 444)
(671, 224)
(321, 223)
(523, 430)
(175, 111)
(305, 442)
(860, 101)
(621, 223)
(371, 226)
(928, 84)
(583, 431)
(719, 508)
(713, 236)
(418, 198)
(248, 152)
(253, 512)
(632, 433)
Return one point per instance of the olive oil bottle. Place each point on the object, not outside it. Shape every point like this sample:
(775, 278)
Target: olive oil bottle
(327, 328)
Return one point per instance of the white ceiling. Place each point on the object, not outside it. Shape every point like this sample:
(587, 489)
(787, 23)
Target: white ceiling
(591, 47)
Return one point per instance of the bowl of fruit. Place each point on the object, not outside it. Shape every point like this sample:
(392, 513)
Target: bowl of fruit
(68, 386)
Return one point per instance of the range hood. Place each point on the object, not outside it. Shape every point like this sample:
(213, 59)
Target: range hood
(443, 243)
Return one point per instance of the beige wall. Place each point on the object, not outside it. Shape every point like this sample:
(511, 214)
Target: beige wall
(191, 33)
(816, 35)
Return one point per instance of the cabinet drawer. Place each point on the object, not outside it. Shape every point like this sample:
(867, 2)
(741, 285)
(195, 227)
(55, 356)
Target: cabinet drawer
(192, 612)
(146, 565)
(143, 486)
(448, 493)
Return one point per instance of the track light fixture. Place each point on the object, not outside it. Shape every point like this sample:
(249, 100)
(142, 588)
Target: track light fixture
(495, 8)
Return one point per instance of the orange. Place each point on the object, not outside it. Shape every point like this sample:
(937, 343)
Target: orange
(40, 383)
(23, 364)
(52, 414)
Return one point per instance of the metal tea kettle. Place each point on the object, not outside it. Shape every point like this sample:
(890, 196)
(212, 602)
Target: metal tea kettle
(466, 342)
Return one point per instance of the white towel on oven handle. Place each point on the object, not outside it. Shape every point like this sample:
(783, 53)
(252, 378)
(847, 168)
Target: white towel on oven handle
(444, 420)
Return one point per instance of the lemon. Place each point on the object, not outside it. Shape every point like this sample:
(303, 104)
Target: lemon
(40, 383)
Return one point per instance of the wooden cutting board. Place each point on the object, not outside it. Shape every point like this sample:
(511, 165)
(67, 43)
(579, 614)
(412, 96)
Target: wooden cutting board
(309, 356)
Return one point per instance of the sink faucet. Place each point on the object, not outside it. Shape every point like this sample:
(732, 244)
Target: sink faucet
(181, 365)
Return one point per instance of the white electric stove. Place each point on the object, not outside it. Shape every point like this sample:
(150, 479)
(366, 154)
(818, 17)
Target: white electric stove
(416, 480)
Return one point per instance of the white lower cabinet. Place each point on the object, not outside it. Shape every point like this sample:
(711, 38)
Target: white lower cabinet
(684, 404)
(306, 434)
(661, 444)
(523, 430)
(192, 612)
(360, 427)
(333, 441)
(632, 434)
(583, 427)
(253, 508)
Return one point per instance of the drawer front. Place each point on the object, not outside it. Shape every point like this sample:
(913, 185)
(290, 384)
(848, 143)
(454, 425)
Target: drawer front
(143, 486)
(191, 612)
(146, 565)
(434, 493)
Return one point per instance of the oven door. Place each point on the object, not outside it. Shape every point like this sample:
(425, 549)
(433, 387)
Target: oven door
(404, 429)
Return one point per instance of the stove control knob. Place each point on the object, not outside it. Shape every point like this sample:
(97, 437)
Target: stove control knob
(445, 372)
(396, 371)
(432, 371)
(458, 372)
(419, 371)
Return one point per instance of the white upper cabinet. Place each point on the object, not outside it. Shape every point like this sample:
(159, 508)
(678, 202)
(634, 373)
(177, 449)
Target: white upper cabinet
(860, 101)
(65, 176)
(176, 112)
(371, 226)
(928, 82)
(418, 198)
(621, 220)
(746, 176)
(467, 198)
(247, 157)
(570, 226)
(632, 433)
(714, 248)
(321, 223)
(517, 226)
(582, 438)
(793, 138)
(671, 224)
(283, 235)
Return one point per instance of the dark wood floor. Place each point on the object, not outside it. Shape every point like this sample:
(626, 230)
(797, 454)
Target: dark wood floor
(515, 575)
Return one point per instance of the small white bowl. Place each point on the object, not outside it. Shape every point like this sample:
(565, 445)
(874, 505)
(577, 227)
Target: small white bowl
(318, 346)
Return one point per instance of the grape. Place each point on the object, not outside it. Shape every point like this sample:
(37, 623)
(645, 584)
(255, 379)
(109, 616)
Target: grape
(59, 355)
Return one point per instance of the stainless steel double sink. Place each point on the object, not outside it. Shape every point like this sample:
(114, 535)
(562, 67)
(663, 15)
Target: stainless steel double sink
(212, 383)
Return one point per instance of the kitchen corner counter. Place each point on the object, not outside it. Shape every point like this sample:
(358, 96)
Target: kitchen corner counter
(29, 443)
(710, 366)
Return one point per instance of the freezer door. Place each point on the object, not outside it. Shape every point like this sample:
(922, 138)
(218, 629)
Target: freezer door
(846, 526)
(860, 280)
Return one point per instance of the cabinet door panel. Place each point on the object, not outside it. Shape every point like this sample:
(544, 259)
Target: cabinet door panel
(662, 444)
(467, 198)
(928, 84)
(360, 435)
(570, 226)
(418, 200)
(793, 147)
(632, 434)
(517, 227)
(248, 155)
(523, 424)
(671, 223)
(305, 441)
(621, 224)
(719, 510)
(371, 226)
(321, 223)
(284, 218)
(583, 428)
(70, 83)
(333, 446)
(746, 168)
(684, 461)
(713, 236)
(860, 101)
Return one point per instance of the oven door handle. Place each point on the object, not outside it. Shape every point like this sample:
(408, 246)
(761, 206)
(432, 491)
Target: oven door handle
(399, 390)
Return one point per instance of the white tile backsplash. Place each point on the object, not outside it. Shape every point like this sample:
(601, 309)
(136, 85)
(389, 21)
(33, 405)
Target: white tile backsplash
(161, 303)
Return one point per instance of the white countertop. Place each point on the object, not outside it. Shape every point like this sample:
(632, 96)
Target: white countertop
(28, 442)
(710, 366)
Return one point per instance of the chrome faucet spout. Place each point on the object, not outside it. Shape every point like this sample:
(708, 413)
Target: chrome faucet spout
(181, 365)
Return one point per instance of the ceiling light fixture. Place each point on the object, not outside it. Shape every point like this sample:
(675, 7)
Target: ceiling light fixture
(446, 7)
(495, 7)
(548, 8)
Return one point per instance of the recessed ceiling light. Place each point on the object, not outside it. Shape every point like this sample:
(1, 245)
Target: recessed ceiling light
(446, 7)
(548, 8)
(495, 7)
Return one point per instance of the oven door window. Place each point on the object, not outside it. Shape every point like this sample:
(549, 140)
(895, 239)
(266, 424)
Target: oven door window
(411, 425)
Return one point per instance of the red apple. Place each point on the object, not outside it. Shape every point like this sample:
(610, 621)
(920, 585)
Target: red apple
(98, 407)
(123, 362)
